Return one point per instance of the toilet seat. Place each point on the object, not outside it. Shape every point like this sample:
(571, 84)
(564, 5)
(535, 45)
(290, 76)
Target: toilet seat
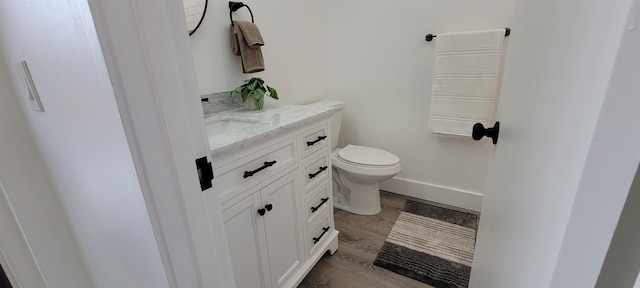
(364, 169)
(367, 156)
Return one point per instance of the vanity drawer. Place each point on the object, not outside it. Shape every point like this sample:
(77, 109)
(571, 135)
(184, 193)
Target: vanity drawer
(317, 201)
(236, 175)
(314, 139)
(319, 234)
(316, 169)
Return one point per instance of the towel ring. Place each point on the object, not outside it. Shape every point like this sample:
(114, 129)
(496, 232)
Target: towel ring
(234, 6)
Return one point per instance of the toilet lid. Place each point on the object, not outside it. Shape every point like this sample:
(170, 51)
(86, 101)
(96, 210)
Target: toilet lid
(367, 156)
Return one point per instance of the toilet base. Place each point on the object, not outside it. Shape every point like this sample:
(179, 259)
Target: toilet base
(342, 205)
(364, 199)
(355, 197)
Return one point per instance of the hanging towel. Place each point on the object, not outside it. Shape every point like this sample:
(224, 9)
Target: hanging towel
(245, 42)
(466, 80)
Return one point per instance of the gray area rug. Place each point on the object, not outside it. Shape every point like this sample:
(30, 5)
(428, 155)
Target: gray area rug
(431, 244)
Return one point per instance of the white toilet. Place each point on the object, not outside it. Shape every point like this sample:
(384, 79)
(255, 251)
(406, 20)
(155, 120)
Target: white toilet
(357, 170)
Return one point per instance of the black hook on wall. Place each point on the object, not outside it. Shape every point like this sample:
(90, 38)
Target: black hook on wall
(234, 6)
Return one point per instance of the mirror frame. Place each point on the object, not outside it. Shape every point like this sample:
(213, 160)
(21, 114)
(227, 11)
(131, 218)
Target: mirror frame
(204, 12)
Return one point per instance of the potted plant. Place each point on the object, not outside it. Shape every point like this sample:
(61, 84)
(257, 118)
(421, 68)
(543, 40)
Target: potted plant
(254, 91)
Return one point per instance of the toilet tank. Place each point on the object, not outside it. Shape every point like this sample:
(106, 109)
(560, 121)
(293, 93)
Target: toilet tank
(335, 120)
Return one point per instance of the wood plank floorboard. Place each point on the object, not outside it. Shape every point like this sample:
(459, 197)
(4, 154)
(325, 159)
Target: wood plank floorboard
(360, 240)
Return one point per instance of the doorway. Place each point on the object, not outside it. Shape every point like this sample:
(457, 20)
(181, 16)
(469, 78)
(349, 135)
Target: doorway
(622, 264)
(4, 281)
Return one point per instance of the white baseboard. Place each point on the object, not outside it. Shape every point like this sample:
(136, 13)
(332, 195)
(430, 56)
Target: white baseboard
(425, 191)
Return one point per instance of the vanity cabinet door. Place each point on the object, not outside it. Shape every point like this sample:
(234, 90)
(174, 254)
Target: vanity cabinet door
(264, 234)
(247, 247)
(283, 228)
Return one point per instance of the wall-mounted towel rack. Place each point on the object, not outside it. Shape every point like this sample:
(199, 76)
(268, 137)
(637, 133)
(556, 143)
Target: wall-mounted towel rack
(429, 37)
(234, 6)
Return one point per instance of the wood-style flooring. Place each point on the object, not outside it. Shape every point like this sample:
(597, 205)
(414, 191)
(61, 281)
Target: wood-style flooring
(360, 240)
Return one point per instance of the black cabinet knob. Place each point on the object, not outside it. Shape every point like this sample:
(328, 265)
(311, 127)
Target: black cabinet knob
(261, 211)
(268, 207)
(479, 131)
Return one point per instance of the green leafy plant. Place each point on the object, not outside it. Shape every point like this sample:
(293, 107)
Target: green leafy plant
(254, 90)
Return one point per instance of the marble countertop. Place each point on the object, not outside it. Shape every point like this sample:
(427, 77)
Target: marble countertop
(260, 126)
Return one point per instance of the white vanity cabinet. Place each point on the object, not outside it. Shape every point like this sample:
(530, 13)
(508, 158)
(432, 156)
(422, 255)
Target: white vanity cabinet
(277, 206)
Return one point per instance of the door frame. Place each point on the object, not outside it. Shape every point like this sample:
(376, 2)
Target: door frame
(609, 169)
(146, 50)
(16, 257)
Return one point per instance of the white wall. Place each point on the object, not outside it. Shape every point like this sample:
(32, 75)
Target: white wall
(381, 66)
(36, 206)
(623, 258)
(556, 80)
(82, 143)
(294, 52)
(372, 55)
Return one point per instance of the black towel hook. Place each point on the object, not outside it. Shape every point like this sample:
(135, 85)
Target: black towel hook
(234, 6)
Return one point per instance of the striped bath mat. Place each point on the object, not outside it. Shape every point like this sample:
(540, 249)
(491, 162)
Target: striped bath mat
(431, 244)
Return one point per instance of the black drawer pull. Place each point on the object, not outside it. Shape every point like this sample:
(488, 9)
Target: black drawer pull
(324, 200)
(325, 229)
(311, 176)
(320, 138)
(265, 166)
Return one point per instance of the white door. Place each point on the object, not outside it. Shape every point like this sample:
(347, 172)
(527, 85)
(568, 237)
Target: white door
(555, 82)
(145, 46)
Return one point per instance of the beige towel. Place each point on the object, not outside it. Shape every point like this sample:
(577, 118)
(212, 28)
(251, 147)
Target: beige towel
(245, 42)
(466, 80)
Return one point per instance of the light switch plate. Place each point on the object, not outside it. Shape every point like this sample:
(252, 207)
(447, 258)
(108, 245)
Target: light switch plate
(32, 94)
